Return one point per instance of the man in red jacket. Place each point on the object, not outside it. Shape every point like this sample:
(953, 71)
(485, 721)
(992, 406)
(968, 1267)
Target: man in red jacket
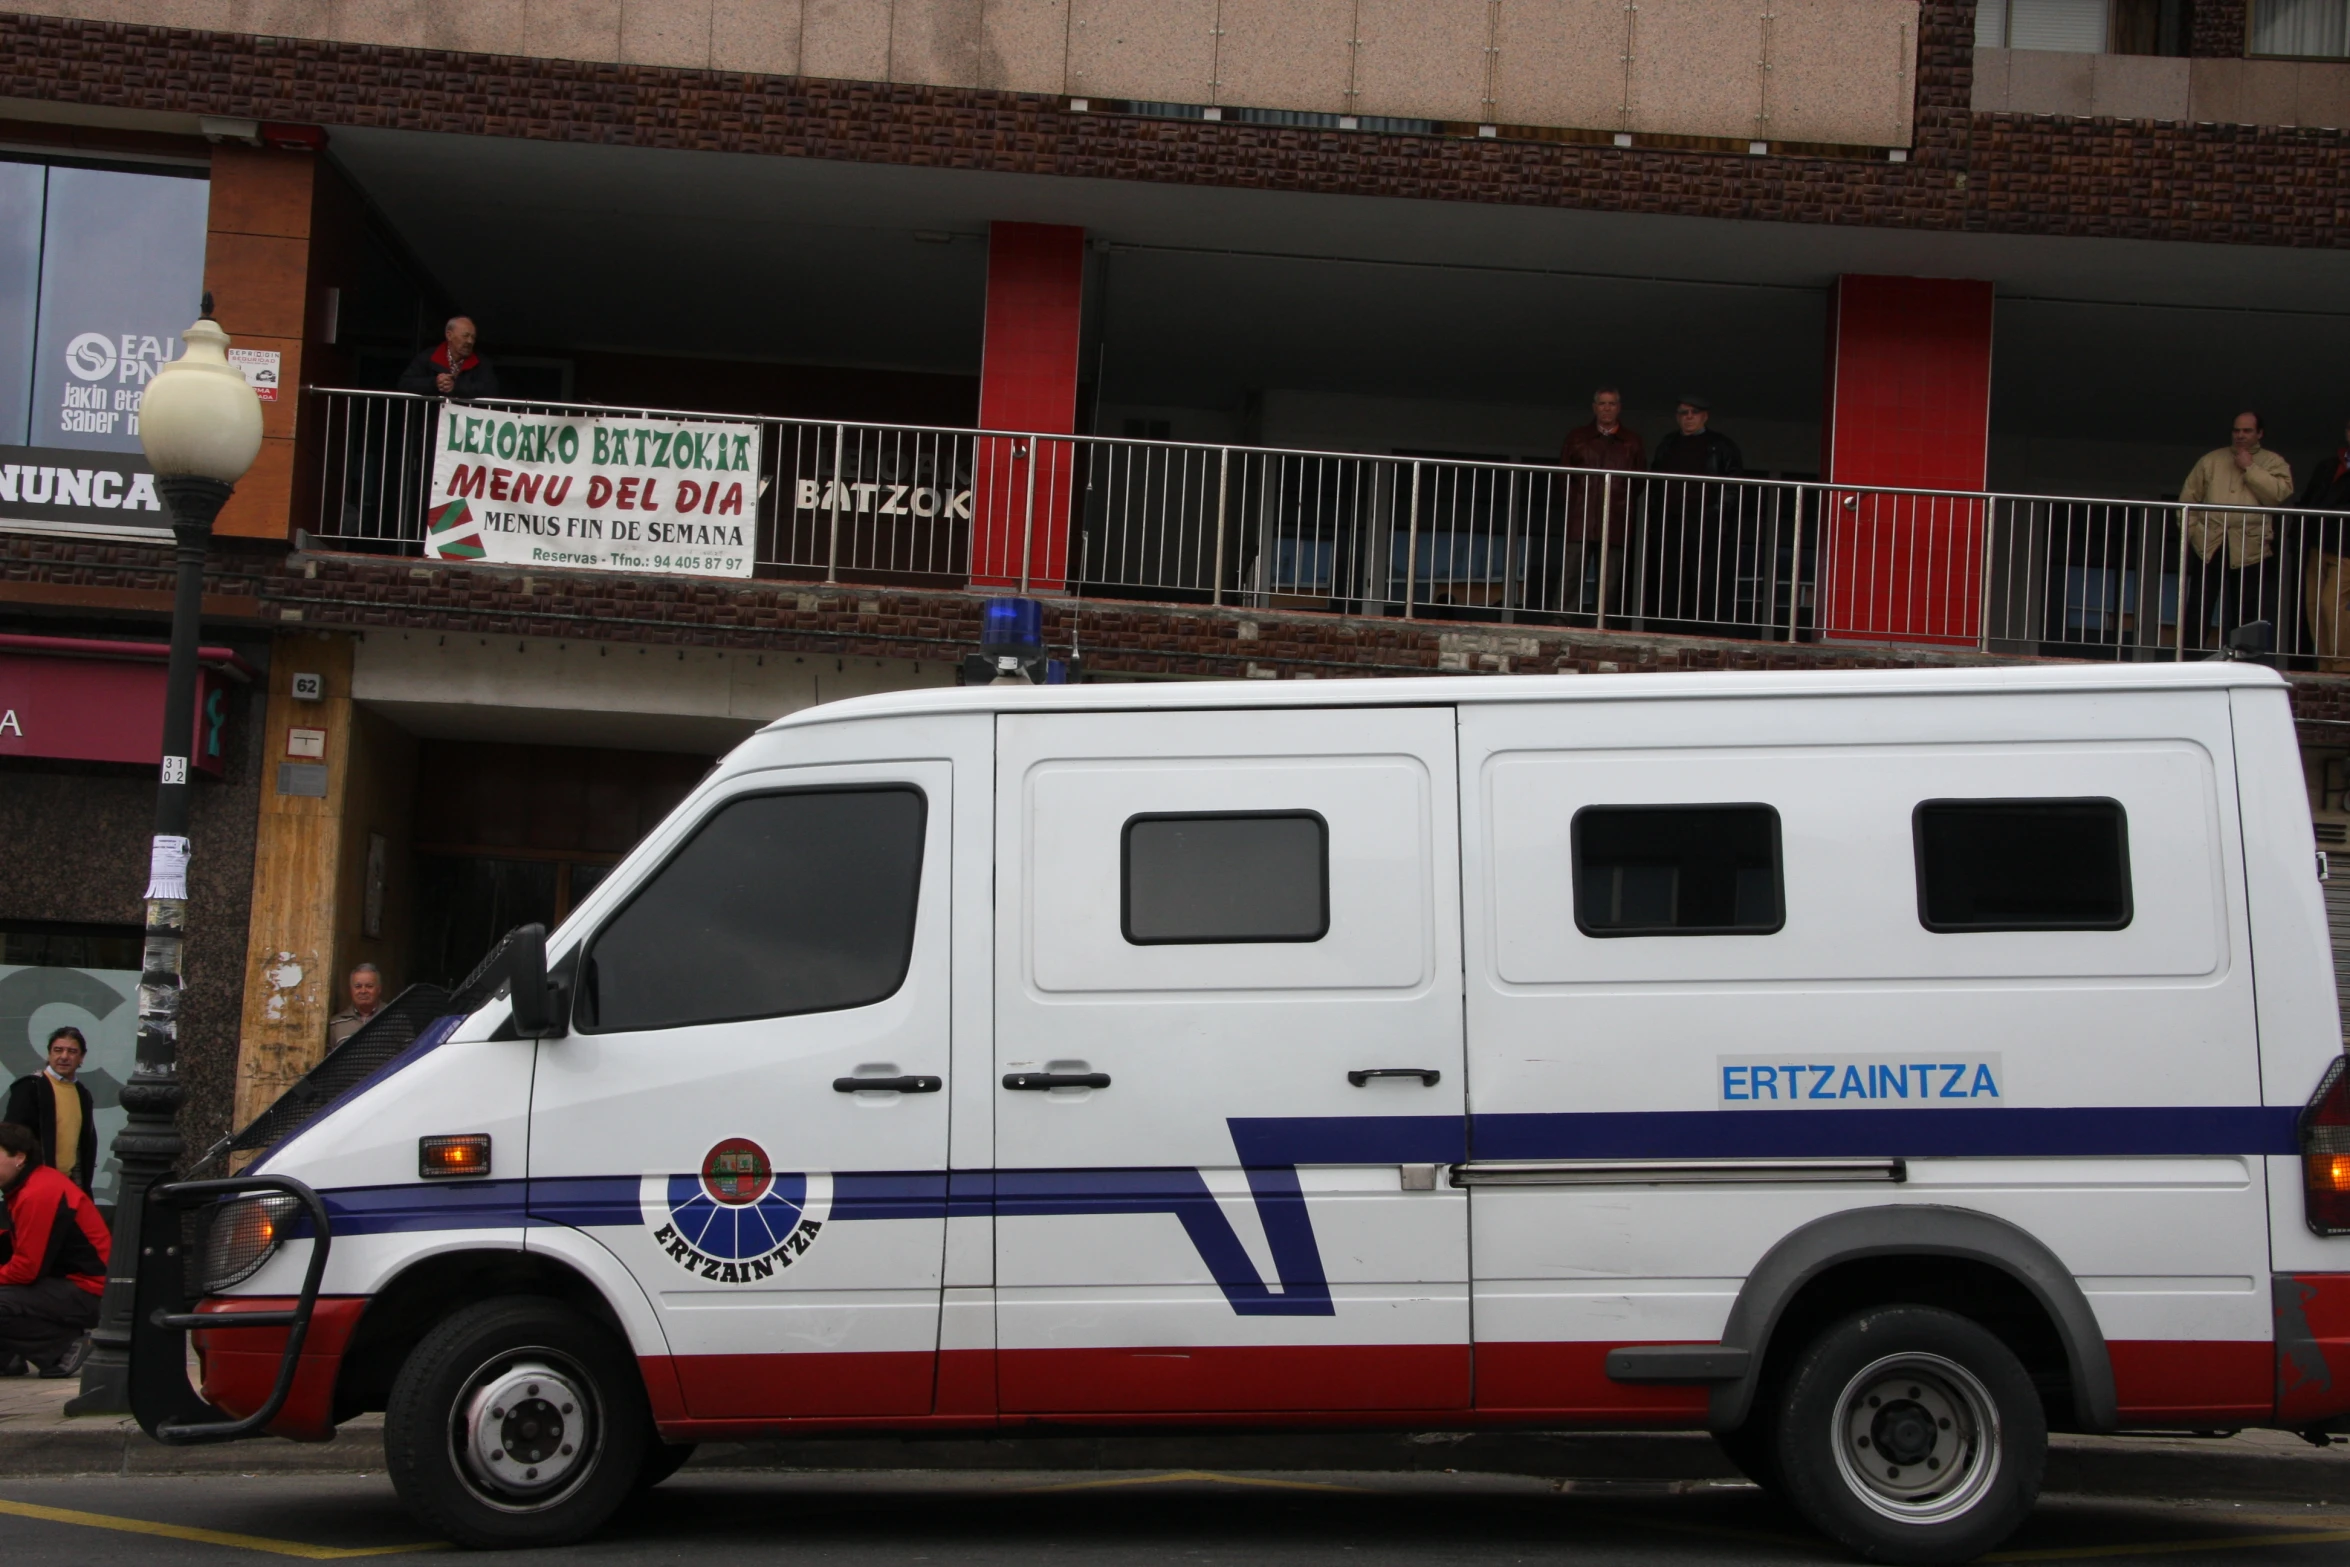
(54, 1267)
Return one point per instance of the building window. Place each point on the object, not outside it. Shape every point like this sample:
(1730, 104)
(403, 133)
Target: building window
(2022, 865)
(2073, 26)
(1677, 870)
(779, 904)
(1226, 876)
(100, 270)
(2314, 29)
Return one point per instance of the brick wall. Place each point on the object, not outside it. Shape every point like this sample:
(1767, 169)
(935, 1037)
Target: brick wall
(2008, 173)
(285, 79)
(2216, 28)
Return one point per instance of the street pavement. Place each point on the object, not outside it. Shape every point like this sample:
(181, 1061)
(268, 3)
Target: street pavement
(1137, 1519)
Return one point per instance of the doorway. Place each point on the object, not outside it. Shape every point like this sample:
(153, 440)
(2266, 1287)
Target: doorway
(509, 835)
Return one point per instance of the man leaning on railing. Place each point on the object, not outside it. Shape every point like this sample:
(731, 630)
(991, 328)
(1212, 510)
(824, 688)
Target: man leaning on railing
(2232, 550)
(451, 367)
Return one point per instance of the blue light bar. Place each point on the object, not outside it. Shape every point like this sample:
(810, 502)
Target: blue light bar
(1012, 626)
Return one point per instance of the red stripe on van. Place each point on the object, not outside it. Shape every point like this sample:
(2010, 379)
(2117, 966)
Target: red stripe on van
(1236, 1378)
(2215, 1381)
(1542, 1378)
(2313, 1347)
(758, 1387)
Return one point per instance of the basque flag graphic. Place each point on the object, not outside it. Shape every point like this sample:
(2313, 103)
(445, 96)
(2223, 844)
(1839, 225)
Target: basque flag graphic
(454, 535)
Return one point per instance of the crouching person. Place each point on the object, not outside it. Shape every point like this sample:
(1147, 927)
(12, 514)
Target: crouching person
(55, 1262)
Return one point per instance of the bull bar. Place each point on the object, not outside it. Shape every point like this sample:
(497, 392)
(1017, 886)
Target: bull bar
(167, 1406)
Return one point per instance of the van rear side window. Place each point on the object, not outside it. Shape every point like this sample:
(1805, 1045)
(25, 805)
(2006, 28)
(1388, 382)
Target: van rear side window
(778, 904)
(2022, 864)
(1225, 876)
(1677, 870)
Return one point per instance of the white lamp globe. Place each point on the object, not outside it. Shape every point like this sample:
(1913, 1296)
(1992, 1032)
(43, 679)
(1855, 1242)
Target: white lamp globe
(198, 418)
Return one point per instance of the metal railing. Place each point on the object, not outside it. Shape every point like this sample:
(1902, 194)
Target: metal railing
(1440, 538)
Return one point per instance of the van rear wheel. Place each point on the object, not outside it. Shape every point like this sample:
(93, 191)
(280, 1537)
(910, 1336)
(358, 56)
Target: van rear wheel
(1912, 1435)
(517, 1422)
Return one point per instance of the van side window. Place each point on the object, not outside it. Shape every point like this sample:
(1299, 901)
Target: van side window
(1677, 870)
(1225, 876)
(2022, 864)
(783, 903)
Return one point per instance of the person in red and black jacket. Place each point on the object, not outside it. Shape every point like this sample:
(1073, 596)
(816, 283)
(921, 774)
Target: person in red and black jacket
(451, 368)
(55, 1267)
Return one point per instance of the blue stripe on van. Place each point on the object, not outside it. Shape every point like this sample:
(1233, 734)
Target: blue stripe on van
(588, 1200)
(2102, 1131)
(1281, 1207)
(390, 1210)
(1350, 1139)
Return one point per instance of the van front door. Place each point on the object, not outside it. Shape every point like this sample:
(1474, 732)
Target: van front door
(706, 1118)
(1230, 1067)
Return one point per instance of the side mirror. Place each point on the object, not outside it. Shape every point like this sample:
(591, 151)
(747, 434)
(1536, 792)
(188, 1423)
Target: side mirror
(541, 1001)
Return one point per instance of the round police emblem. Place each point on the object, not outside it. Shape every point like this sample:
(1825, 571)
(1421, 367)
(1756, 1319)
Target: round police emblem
(738, 1220)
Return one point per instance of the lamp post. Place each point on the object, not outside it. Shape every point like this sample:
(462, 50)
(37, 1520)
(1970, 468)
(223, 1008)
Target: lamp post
(201, 427)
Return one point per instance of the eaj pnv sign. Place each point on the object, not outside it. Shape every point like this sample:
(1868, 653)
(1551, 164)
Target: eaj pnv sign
(604, 492)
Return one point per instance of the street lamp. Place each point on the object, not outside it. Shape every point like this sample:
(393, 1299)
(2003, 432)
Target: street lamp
(201, 427)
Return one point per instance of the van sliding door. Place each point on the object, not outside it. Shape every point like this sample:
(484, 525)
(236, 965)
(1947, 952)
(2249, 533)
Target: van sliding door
(1228, 1039)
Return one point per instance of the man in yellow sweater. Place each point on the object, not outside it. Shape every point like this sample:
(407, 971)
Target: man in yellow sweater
(59, 1109)
(2231, 555)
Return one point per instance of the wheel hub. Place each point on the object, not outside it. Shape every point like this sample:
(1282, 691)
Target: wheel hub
(1917, 1437)
(526, 1430)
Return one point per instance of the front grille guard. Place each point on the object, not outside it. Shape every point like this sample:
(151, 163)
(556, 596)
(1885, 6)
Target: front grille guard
(167, 1406)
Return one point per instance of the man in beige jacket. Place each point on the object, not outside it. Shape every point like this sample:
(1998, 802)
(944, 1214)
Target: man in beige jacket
(2231, 554)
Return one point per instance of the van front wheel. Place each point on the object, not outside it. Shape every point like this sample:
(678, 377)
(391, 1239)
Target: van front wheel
(1912, 1435)
(517, 1422)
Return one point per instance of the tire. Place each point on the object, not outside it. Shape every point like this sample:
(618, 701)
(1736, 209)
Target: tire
(1933, 1390)
(662, 1459)
(521, 1381)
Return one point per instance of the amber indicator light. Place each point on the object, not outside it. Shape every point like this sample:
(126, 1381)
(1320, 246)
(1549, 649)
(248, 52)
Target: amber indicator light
(468, 1154)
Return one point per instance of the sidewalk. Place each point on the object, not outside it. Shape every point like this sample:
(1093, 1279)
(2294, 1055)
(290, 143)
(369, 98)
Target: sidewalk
(38, 1438)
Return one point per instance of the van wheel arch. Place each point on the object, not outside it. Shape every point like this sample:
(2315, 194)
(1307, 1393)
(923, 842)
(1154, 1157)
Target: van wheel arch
(421, 1296)
(1922, 1255)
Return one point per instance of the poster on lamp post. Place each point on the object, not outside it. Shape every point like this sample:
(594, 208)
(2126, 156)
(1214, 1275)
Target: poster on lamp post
(602, 492)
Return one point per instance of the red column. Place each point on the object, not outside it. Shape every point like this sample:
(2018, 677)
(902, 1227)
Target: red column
(1909, 407)
(1021, 489)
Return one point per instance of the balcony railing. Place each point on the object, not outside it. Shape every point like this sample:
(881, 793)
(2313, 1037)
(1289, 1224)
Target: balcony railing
(1426, 538)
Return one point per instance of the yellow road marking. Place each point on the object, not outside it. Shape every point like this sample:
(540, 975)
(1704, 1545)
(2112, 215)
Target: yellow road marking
(1178, 1476)
(2232, 1542)
(175, 1531)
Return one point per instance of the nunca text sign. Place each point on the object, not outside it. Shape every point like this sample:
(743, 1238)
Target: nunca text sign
(602, 492)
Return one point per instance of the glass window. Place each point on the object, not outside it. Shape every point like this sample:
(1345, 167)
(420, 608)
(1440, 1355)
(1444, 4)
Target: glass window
(2076, 26)
(778, 904)
(1226, 876)
(1677, 870)
(2022, 865)
(2310, 28)
(122, 272)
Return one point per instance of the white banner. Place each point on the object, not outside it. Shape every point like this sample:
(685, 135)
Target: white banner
(605, 492)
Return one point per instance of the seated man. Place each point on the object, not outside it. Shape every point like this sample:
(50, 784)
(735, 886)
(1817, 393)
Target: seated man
(56, 1262)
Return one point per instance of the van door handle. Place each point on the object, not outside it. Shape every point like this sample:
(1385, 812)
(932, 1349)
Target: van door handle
(1043, 1080)
(887, 1085)
(1428, 1075)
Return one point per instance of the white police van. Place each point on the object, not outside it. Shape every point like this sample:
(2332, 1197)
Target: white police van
(1878, 1070)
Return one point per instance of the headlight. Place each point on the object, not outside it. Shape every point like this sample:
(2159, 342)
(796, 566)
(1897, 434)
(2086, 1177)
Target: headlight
(244, 1235)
